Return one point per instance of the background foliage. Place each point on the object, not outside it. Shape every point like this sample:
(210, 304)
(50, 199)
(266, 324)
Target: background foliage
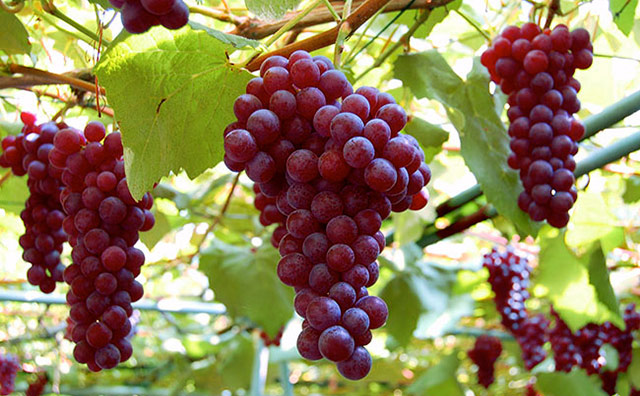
(171, 94)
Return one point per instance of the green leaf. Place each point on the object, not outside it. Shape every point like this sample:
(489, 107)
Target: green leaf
(172, 92)
(159, 230)
(13, 193)
(623, 386)
(404, 307)
(103, 3)
(611, 357)
(236, 361)
(483, 137)
(270, 9)
(634, 369)
(632, 188)
(430, 136)
(592, 221)
(439, 380)
(247, 284)
(570, 281)
(623, 12)
(14, 38)
(437, 15)
(408, 227)
(9, 128)
(599, 278)
(236, 41)
(576, 382)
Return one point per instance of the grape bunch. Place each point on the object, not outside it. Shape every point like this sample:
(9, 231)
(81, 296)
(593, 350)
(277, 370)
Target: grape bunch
(484, 354)
(102, 223)
(536, 68)
(583, 348)
(329, 165)
(36, 388)
(9, 366)
(509, 279)
(28, 154)
(138, 16)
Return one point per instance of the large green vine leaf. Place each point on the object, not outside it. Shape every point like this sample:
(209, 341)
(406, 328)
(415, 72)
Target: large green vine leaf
(173, 93)
(576, 382)
(247, 284)
(471, 109)
(578, 287)
(623, 12)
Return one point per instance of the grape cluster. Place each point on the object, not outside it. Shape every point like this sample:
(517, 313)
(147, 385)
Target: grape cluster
(138, 16)
(583, 348)
(9, 366)
(484, 354)
(36, 388)
(28, 154)
(329, 165)
(535, 68)
(509, 279)
(102, 223)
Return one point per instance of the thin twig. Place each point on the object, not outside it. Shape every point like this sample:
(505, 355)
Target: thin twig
(5, 177)
(51, 9)
(257, 29)
(325, 39)
(284, 29)
(15, 8)
(332, 10)
(616, 57)
(218, 218)
(343, 31)
(217, 14)
(404, 39)
(473, 25)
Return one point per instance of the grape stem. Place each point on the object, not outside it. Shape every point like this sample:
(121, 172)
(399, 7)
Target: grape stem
(32, 76)
(554, 8)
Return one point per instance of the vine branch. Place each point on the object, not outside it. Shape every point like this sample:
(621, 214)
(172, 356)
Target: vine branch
(256, 29)
(32, 76)
(327, 38)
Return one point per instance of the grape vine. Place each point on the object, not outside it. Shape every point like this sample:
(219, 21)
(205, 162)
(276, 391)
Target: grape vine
(327, 172)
